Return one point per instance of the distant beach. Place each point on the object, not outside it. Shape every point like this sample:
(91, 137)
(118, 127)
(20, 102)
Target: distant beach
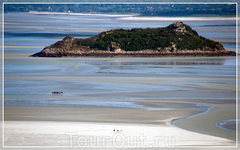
(177, 18)
(136, 17)
(80, 14)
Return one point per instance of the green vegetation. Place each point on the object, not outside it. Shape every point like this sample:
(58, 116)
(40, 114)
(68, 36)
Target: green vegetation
(152, 38)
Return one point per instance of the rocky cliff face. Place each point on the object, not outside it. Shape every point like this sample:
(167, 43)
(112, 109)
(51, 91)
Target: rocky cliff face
(65, 44)
(178, 28)
(69, 43)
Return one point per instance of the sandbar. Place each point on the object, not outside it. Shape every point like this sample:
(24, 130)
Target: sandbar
(176, 18)
(79, 14)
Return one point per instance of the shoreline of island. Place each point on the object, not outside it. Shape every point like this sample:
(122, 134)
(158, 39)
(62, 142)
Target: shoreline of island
(46, 53)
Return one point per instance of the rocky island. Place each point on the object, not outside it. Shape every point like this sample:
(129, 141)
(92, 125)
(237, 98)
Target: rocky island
(177, 39)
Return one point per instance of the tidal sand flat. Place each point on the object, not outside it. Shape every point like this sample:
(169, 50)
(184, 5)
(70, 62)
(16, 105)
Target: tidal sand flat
(177, 101)
(133, 95)
(102, 135)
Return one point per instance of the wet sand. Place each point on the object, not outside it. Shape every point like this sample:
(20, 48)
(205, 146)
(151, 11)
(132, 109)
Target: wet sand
(208, 124)
(47, 125)
(157, 116)
(98, 98)
(228, 124)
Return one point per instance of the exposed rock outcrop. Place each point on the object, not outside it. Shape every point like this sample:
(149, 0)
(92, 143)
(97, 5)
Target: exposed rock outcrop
(134, 54)
(62, 45)
(178, 27)
(114, 47)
